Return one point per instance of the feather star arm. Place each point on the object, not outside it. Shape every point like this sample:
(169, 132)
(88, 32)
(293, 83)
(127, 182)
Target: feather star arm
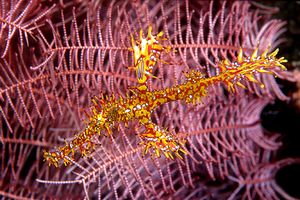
(107, 112)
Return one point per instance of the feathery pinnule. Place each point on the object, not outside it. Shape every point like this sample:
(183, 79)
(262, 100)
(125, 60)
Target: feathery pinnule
(56, 55)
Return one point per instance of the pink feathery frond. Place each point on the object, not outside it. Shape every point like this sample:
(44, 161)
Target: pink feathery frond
(56, 55)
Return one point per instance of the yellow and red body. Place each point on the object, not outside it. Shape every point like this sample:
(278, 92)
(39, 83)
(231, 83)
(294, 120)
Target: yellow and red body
(107, 113)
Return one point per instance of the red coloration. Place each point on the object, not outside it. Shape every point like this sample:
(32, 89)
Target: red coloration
(140, 106)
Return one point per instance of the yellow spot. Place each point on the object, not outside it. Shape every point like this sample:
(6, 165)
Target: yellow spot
(254, 54)
(274, 53)
(264, 54)
(240, 56)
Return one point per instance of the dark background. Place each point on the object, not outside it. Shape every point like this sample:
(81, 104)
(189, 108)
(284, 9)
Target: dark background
(284, 117)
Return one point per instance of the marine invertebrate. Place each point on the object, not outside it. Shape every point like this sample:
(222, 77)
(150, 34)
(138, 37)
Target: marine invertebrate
(85, 52)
